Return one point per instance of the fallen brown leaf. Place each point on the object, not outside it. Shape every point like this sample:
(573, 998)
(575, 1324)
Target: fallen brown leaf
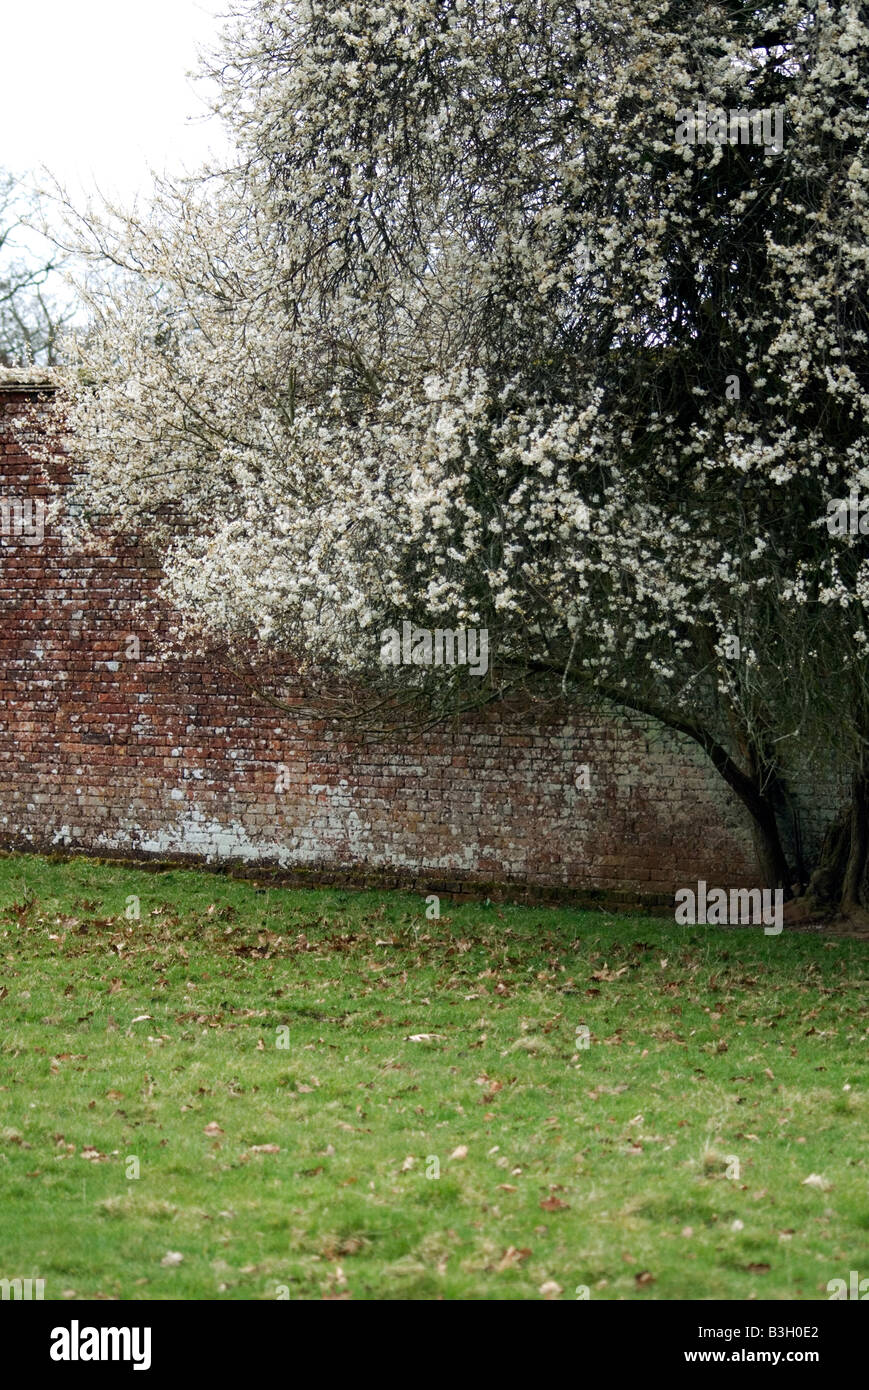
(510, 1257)
(553, 1204)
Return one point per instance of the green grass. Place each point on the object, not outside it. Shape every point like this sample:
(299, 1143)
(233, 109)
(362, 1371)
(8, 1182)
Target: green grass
(603, 1166)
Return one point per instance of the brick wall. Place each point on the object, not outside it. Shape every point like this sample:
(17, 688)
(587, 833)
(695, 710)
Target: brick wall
(111, 754)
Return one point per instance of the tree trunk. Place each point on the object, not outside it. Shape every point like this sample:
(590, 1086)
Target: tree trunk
(854, 880)
(839, 883)
(759, 799)
(770, 851)
(757, 796)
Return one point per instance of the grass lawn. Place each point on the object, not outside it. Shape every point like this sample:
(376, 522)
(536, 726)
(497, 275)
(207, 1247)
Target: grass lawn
(289, 1071)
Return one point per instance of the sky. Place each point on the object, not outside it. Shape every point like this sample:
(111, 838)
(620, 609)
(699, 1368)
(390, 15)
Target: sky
(97, 90)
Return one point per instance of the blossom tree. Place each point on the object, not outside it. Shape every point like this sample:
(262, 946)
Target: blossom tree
(508, 316)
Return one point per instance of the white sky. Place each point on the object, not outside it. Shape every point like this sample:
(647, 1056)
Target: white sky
(97, 90)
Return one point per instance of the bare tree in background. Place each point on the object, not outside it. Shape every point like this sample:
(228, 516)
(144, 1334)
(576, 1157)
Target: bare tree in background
(32, 314)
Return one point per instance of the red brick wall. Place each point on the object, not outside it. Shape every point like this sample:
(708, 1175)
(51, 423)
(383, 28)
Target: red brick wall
(172, 759)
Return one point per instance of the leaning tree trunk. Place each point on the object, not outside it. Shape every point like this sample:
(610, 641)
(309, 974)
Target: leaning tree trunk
(759, 799)
(770, 851)
(758, 793)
